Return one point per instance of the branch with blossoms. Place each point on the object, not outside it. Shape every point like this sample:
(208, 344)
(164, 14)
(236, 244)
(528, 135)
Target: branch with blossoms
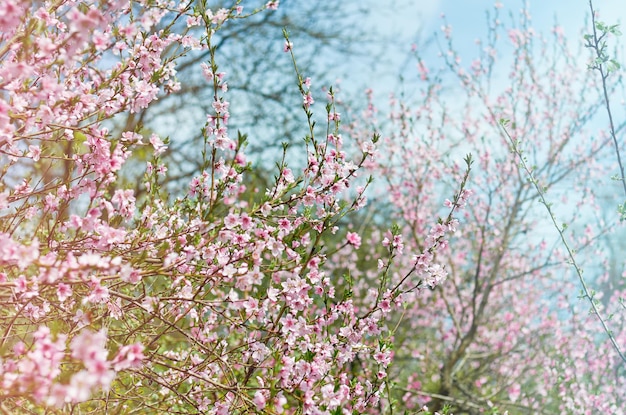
(430, 273)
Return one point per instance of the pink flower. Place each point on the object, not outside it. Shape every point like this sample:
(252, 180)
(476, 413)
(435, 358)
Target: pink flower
(81, 385)
(354, 239)
(130, 356)
(259, 400)
(308, 100)
(221, 107)
(89, 347)
(193, 21)
(368, 147)
(124, 200)
(383, 356)
(10, 15)
(159, 147)
(231, 221)
(284, 224)
(64, 291)
(129, 274)
(514, 392)
(207, 71)
(385, 306)
(99, 293)
(34, 152)
(219, 17)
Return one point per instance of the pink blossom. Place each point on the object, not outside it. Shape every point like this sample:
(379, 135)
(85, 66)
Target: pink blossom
(64, 291)
(219, 17)
(354, 239)
(159, 147)
(129, 356)
(81, 386)
(89, 346)
(308, 100)
(259, 400)
(34, 152)
(99, 293)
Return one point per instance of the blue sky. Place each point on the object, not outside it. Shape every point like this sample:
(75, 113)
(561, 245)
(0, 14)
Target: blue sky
(415, 21)
(468, 16)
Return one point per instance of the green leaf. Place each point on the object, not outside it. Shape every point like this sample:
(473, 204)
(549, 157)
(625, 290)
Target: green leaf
(614, 30)
(79, 137)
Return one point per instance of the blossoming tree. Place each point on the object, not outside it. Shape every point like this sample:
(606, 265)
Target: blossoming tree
(507, 331)
(214, 302)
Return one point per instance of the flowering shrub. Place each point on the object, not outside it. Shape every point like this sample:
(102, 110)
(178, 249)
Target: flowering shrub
(215, 302)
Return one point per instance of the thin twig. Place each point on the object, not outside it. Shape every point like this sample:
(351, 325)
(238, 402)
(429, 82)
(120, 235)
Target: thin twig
(604, 74)
(586, 292)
